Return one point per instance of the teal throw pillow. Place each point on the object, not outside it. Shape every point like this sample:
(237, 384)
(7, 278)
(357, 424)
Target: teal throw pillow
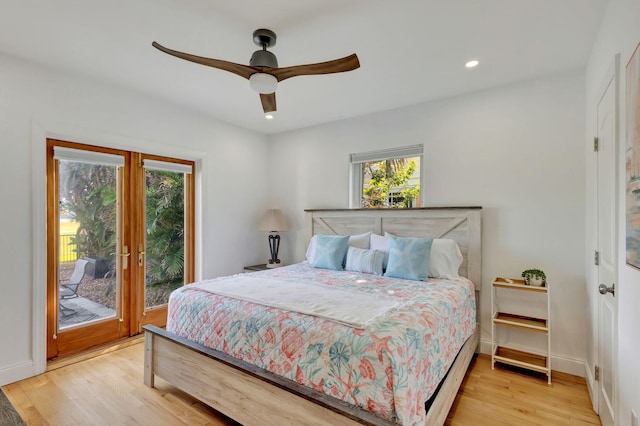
(409, 258)
(330, 252)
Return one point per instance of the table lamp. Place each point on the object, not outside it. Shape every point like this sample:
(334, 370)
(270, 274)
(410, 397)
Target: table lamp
(273, 222)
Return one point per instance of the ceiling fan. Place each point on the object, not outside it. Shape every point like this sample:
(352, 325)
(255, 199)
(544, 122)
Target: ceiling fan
(263, 72)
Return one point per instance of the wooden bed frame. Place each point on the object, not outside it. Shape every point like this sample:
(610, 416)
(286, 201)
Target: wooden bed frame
(254, 396)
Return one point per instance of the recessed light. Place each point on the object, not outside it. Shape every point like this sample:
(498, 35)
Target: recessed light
(268, 116)
(472, 64)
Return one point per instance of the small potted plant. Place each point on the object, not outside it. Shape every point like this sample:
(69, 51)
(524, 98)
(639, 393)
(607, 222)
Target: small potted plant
(534, 277)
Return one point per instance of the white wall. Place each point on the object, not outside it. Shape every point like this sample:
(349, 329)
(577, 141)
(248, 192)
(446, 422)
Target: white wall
(515, 150)
(35, 103)
(619, 33)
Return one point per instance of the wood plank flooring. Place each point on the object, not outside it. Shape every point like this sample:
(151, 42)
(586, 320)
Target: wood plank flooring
(508, 396)
(108, 390)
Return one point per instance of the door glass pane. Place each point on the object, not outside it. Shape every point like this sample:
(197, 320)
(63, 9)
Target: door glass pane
(88, 286)
(165, 235)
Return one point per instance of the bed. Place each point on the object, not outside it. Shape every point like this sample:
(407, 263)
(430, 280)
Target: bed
(268, 371)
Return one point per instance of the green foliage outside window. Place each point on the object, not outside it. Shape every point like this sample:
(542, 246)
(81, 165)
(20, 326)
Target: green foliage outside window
(387, 184)
(88, 196)
(165, 227)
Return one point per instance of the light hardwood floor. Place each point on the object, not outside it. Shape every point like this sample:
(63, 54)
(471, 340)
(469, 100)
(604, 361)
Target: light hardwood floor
(108, 389)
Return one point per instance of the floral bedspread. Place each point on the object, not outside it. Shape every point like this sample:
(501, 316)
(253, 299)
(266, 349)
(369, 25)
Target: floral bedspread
(390, 368)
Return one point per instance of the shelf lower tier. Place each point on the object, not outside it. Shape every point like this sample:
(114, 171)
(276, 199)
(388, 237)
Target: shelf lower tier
(528, 323)
(522, 359)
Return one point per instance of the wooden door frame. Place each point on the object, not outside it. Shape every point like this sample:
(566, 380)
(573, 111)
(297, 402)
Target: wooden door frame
(157, 315)
(78, 339)
(132, 313)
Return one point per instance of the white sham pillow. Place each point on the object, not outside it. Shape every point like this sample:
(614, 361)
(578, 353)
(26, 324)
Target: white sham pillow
(445, 258)
(380, 243)
(360, 241)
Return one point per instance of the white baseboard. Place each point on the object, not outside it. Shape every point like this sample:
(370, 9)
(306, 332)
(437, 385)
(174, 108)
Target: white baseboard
(576, 367)
(17, 372)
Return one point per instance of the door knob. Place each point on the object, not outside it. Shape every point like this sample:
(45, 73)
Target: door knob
(603, 289)
(125, 254)
(141, 255)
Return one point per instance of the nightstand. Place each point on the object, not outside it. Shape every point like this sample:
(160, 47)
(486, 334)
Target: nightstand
(508, 316)
(255, 268)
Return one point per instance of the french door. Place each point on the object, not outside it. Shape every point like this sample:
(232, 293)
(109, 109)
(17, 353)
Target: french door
(119, 240)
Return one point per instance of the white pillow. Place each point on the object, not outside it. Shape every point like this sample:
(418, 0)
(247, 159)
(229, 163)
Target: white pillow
(359, 241)
(380, 243)
(444, 261)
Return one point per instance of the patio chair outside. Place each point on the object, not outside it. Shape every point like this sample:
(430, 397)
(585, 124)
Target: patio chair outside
(66, 311)
(70, 289)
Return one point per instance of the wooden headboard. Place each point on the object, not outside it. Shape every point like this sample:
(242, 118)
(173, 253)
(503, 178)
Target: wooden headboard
(462, 224)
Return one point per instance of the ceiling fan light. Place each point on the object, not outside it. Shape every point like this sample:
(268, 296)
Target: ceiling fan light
(263, 83)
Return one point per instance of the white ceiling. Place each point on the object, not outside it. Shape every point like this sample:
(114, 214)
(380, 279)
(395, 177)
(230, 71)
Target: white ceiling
(410, 51)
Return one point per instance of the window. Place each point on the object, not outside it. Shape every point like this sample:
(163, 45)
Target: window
(389, 178)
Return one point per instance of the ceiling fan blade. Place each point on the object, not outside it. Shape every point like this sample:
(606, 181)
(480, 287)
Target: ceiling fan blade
(347, 63)
(268, 102)
(238, 69)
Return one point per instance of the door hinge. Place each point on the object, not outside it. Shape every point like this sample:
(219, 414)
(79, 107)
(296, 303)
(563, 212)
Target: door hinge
(596, 258)
(596, 374)
(596, 144)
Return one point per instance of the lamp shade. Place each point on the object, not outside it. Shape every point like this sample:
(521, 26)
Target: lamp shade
(273, 221)
(263, 83)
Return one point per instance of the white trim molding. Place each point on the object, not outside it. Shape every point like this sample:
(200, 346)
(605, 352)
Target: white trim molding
(39, 247)
(17, 372)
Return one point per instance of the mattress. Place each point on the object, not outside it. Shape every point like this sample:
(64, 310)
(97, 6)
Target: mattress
(390, 367)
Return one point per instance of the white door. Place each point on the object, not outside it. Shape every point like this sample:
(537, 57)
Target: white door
(607, 249)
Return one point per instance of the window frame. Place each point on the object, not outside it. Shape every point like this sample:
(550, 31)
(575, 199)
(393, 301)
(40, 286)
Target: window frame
(358, 159)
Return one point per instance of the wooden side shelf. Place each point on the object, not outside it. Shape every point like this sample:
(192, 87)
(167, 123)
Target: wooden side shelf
(522, 359)
(501, 352)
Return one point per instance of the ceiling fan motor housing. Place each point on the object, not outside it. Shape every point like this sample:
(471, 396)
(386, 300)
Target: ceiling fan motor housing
(263, 58)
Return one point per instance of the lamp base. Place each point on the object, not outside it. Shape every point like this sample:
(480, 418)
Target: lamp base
(274, 246)
(274, 265)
